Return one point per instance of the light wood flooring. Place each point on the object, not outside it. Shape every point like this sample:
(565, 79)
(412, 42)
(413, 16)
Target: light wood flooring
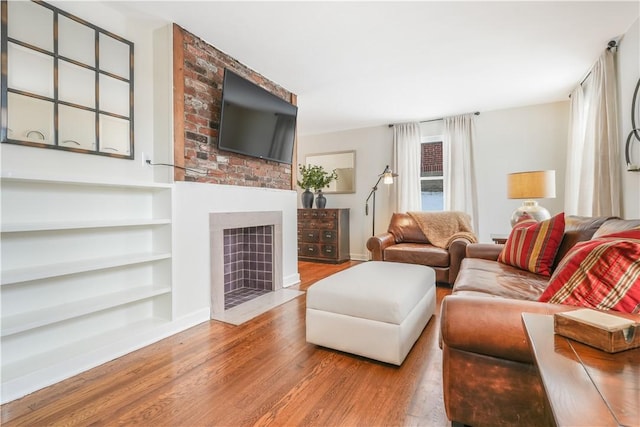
(259, 373)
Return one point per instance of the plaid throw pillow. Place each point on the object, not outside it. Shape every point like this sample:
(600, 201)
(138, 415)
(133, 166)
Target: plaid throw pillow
(532, 245)
(603, 273)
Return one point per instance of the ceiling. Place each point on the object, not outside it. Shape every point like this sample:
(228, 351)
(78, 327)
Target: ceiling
(360, 64)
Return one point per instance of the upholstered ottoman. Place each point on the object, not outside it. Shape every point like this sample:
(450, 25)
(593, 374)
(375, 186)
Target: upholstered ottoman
(375, 309)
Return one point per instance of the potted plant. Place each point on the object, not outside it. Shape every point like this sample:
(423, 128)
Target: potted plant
(315, 177)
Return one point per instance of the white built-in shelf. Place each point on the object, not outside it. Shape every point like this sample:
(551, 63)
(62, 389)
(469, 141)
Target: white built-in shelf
(46, 316)
(101, 250)
(60, 180)
(66, 353)
(79, 225)
(80, 266)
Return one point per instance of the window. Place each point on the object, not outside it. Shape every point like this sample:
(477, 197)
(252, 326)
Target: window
(431, 180)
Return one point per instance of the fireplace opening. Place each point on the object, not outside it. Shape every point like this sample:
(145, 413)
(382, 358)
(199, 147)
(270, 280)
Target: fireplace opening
(248, 264)
(246, 260)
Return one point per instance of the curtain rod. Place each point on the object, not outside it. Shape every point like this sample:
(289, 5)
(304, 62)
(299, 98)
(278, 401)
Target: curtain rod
(613, 44)
(477, 113)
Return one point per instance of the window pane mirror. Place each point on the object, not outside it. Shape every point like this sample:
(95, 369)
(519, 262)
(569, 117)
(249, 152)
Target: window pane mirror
(54, 92)
(344, 163)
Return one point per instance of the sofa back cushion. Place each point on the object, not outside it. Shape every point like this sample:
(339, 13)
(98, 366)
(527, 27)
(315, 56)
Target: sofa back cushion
(532, 245)
(602, 273)
(405, 229)
(578, 229)
(616, 225)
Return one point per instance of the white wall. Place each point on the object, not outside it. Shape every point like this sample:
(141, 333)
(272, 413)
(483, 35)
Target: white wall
(515, 140)
(628, 68)
(374, 151)
(191, 258)
(518, 139)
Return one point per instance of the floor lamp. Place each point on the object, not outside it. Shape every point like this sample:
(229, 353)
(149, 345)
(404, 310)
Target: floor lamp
(387, 178)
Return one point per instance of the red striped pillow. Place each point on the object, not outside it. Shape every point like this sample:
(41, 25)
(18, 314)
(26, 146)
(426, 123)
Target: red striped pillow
(603, 273)
(532, 245)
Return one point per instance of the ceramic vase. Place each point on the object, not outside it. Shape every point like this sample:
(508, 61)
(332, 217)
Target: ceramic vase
(307, 199)
(321, 201)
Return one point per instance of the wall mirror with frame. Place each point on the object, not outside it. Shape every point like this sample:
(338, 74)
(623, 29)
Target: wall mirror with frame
(66, 84)
(344, 163)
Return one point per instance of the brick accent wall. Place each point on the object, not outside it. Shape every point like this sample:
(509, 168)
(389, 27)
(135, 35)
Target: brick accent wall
(198, 78)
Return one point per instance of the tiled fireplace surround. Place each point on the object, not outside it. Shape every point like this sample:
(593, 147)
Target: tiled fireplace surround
(248, 266)
(246, 254)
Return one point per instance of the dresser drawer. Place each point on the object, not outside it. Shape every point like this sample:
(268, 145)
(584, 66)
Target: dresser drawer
(308, 250)
(327, 214)
(329, 236)
(327, 224)
(328, 251)
(309, 236)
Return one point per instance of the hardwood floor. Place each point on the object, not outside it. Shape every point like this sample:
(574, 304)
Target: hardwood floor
(260, 373)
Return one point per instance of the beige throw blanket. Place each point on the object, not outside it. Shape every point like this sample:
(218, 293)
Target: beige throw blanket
(442, 228)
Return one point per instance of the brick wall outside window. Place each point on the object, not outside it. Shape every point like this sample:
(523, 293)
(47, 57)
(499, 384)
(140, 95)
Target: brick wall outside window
(431, 162)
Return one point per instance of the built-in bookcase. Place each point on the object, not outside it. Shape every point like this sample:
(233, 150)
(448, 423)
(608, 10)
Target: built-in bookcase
(84, 265)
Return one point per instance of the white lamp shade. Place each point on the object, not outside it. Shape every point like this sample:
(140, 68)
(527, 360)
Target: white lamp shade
(387, 178)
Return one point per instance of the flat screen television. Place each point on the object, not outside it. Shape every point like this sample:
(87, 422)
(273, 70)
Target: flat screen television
(255, 122)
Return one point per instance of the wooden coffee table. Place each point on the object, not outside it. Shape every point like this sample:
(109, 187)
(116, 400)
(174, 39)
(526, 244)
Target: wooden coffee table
(584, 386)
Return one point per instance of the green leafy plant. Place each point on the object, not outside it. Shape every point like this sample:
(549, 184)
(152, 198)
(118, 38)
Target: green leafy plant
(315, 177)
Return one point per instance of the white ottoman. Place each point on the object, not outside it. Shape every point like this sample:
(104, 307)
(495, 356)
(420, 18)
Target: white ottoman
(375, 309)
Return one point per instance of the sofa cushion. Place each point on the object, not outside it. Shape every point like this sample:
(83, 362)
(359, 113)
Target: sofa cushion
(578, 229)
(602, 273)
(417, 253)
(482, 277)
(616, 225)
(532, 246)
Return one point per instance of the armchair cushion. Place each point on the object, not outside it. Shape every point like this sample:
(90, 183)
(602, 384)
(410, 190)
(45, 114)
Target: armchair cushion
(417, 253)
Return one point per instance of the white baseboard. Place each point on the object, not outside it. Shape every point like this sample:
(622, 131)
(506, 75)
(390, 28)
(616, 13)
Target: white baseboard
(291, 280)
(359, 257)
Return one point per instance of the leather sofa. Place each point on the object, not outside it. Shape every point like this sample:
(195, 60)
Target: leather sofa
(405, 242)
(488, 374)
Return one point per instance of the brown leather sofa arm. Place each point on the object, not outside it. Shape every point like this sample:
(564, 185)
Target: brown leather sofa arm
(377, 244)
(490, 326)
(488, 251)
(457, 251)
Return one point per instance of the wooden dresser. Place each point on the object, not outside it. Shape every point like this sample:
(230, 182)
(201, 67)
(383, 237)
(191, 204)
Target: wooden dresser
(323, 235)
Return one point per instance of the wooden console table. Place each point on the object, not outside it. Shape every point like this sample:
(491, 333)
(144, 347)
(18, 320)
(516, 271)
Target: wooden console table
(584, 386)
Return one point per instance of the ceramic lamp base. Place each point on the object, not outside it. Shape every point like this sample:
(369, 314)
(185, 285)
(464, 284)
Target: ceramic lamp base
(531, 208)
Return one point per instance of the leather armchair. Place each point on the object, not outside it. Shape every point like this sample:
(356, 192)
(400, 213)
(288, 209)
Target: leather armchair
(405, 242)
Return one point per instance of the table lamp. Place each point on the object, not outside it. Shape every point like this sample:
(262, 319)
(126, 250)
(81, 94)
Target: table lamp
(531, 185)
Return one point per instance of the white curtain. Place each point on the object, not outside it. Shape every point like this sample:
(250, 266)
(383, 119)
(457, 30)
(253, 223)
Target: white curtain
(406, 147)
(574, 200)
(592, 187)
(457, 165)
